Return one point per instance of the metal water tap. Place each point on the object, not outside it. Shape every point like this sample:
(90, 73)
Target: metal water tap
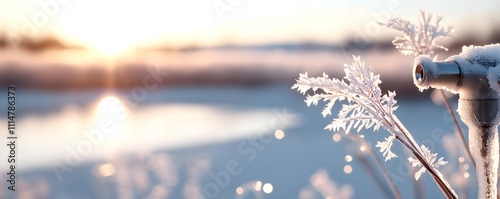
(478, 107)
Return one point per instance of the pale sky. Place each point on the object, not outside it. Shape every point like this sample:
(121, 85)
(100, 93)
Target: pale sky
(113, 25)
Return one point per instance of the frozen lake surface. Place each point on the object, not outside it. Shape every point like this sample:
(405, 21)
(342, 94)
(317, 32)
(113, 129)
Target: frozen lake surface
(188, 142)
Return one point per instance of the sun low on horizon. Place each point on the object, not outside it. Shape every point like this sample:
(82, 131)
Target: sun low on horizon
(112, 27)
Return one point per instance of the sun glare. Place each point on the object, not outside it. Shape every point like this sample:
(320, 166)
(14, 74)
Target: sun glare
(107, 27)
(113, 27)
(110, 115)
(109, 49)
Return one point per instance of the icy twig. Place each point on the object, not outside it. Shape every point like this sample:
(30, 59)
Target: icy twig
(419, 39)
(367, 108)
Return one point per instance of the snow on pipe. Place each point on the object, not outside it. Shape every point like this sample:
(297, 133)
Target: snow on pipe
(467, 74)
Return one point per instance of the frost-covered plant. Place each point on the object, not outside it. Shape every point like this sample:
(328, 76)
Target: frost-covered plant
(429, 158)
(419, 39)
(366, 107)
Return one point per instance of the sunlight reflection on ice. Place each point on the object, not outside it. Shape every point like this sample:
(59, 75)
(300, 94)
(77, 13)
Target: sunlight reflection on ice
(111, 119)
(144, 128)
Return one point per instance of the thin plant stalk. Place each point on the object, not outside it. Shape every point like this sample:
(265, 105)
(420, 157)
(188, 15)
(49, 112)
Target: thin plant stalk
(372, 170)
(464, 144)
(418, 184)
(388, 178)
(410, 143)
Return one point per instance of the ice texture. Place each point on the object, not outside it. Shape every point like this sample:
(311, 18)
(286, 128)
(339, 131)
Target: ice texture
(494, 78)
(481, 60)
(483, 143)
(488, 55)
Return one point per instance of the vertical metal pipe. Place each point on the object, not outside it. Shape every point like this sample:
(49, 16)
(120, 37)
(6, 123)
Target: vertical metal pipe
(484, 148)
(481, 116)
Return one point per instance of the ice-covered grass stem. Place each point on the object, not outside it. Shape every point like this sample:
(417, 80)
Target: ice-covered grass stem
(366, 107)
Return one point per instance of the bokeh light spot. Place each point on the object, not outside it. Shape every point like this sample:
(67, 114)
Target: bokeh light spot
(268, 188)
(362, 148)
(258, 185)
(348, 158)
(279, 134)
(347, 169)
(336, 137)
(106, 170)
(239, 190)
